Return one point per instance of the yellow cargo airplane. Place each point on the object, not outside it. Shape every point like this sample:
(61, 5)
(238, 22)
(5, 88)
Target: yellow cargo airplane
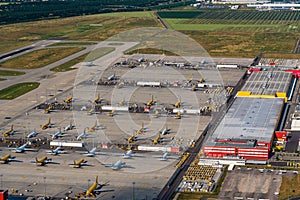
(92, 128)
(158, 139)
(178, 103)
(95, 189)
(131, 139)
(111, 113)
(8, 158)
(141, 130)
(43, 161)
(178, 115)
(150, 102)
(97, 99)
(69, 99)
(9, 132)
(79, 163)
(47, 125)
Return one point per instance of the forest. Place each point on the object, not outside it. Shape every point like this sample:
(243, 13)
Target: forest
(23, 11)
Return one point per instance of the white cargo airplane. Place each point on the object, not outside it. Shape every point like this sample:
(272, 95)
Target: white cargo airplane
(165, 157)
(69, 127)
(57, 134)
(82, 135)
(56, 151)
(116, 166)
(165, 131)
(22, 148)
(32, 134)
(130, 154)
(92, 152)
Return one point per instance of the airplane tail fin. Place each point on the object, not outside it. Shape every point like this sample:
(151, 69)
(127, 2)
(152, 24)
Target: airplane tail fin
(49, 121)
(97, 179)
(12, 127)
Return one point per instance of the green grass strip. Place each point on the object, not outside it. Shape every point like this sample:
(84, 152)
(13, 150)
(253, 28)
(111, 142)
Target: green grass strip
(17, 90)
(10, 73)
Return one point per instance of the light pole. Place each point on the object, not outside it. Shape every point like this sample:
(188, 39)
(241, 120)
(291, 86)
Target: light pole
(44, 187)
(133, 190)
(1, 181)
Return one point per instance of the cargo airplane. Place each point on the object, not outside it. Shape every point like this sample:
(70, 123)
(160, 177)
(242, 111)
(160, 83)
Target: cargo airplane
(95, 189)
(22, 148)
(158, 139)
(9, 132)
(151, 102)
(32, 134)
(130, 154)
(56, 151)
(57, 134)
(69, 99)
(46, 125)
(43, 161)
(82, 135)
(94, 127)
(141, 130)
(69, 127)
(92, 152)
(116, 166)
(113, 77)
(111, 113)
(178, 104)
(165, 157)
(165, 131)
(98, 99)
(8, 158)
(178, 115)
(131, 139)
(79, 163)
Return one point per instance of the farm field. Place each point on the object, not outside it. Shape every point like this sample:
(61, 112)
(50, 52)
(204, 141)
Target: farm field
(239, 34)
(39, 58)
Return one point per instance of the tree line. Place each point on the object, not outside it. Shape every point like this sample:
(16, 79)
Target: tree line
(13, 11)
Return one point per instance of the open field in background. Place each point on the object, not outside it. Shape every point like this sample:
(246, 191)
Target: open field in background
(129, 14)
(221, 33)
(39, 58)
(10, 73)
(239, 34)
(17, 90)
(290, 187)
(93, 27)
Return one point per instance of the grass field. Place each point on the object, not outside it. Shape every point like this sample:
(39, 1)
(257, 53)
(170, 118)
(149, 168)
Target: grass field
(221, 33)
(17, 90)
(67, 66)
(87, 28)
(239, 34)
(39, 58)
(289, 187)
(10, 73)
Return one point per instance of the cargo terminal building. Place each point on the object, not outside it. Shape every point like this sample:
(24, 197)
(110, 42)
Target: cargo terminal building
(247, 129)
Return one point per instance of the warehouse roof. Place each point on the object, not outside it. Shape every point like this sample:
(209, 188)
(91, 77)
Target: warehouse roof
(268, 82)
(249, 119)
